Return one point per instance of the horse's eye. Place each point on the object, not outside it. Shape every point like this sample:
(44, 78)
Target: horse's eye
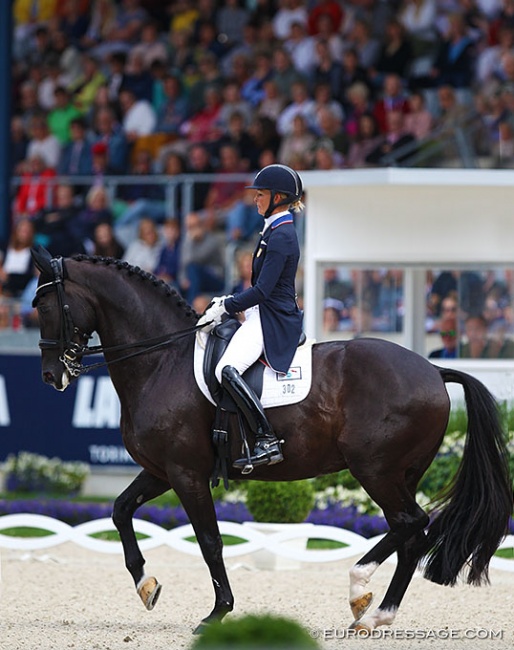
(43, 309)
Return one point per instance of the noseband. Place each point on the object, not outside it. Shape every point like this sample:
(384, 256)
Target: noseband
(72, 352)
(69, 349)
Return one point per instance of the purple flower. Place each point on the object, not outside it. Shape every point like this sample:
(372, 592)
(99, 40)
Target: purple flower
(74, 513)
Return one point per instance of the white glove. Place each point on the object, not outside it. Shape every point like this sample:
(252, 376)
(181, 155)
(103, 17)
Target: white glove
(213, 313)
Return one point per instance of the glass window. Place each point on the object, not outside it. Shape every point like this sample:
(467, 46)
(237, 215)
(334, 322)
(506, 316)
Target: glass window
(469, 314)
(362, 301)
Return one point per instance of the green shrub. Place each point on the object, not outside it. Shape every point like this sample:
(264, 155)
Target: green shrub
(343, 479)
(440, 474)
(507, 415)
(284, 502)
(258, 632)
(458, 421)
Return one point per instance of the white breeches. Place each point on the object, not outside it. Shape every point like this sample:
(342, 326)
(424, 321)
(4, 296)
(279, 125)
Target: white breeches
(246, 345)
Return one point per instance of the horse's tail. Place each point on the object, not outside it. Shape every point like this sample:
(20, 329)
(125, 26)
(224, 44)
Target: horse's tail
(476, 508)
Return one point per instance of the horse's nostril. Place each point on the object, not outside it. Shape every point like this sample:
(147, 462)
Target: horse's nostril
(48, 377)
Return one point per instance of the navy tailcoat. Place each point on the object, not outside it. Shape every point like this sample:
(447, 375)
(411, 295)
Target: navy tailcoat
(274, 266)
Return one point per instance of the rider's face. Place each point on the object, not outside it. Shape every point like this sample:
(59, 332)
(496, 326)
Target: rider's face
(261, 200)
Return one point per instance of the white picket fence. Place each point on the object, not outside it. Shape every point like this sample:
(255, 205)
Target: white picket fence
(274, 539)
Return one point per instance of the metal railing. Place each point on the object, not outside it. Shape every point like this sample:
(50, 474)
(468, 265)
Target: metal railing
(112, 184)
(432, 150)
(10, 319)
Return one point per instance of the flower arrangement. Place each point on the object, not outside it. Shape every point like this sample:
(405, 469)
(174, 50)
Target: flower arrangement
(28, 472)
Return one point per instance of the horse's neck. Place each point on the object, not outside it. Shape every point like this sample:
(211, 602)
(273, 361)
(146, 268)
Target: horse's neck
(128, 309)
(129, 317)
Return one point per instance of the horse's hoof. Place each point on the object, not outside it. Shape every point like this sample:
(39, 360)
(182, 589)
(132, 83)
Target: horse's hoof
(149, 591)
(361, 628)
(216, 616)
(200, 629)
(360, 605)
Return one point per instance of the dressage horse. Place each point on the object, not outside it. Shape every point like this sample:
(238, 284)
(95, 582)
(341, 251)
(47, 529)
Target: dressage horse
(375, 408)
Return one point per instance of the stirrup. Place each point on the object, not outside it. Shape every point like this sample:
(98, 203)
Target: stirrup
(265, 457)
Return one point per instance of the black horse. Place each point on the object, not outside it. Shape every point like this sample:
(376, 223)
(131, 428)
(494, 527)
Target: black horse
(375, 408)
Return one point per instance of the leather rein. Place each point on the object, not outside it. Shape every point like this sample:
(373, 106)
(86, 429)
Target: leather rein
(72, 352)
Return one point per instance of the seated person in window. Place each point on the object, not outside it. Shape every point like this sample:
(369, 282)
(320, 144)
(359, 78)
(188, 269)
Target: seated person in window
(449, 337)
(481, 344)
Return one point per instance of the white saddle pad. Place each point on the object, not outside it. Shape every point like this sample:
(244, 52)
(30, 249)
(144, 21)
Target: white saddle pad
(277, 390)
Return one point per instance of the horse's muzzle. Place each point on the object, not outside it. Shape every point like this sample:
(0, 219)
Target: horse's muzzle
(48, 377)
(60, 383)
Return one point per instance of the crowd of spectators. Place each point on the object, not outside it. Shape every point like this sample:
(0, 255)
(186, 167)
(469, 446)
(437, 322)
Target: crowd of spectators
(469, 314)
(171, 87)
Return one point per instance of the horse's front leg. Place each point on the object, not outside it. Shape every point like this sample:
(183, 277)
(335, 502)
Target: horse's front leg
(143, 488)
(196, 498)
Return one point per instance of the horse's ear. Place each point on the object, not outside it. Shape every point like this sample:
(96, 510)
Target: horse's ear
(42, 259)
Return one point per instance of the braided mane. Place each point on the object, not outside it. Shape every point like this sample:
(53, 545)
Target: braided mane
(143, 275)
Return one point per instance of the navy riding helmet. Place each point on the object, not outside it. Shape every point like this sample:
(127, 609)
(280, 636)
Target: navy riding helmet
(279, 179)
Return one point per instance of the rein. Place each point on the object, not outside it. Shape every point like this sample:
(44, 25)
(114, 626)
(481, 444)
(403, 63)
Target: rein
(72, 352)
(75, 368)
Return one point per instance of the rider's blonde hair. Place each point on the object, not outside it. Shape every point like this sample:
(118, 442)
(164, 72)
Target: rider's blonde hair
(296, 206)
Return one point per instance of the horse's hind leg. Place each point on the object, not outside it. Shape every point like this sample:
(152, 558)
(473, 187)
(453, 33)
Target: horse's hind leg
(361, 572)
(409, 553)
(407, 521)
(143, 488)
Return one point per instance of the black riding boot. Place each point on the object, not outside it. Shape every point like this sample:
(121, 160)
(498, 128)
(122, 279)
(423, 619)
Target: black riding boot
(267, 447)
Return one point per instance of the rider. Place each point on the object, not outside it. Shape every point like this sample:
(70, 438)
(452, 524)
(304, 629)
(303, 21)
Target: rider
(273, 321)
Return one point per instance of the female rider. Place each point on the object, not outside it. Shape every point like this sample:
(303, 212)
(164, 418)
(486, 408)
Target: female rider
(273, 321)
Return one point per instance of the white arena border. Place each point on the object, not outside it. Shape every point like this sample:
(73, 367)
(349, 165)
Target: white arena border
(176, 539)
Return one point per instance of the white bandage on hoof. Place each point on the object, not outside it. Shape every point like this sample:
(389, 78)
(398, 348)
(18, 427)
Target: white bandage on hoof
(149, 590)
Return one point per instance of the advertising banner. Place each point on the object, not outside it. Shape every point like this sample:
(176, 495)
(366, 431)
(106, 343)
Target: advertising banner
(81, 423)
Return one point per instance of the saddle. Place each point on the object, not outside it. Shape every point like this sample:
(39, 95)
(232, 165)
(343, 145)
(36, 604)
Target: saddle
(215, 345)
(217, 342)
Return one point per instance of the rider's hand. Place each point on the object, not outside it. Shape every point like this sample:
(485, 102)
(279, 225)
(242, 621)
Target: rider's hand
(212, 315)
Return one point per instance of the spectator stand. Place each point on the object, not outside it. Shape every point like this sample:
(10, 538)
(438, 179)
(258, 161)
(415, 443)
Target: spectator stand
(116, 49)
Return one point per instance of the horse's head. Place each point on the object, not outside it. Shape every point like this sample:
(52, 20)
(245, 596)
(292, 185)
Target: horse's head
(66, 320)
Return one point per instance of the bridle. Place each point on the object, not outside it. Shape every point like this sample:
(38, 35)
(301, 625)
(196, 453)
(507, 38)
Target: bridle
(72, 352)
